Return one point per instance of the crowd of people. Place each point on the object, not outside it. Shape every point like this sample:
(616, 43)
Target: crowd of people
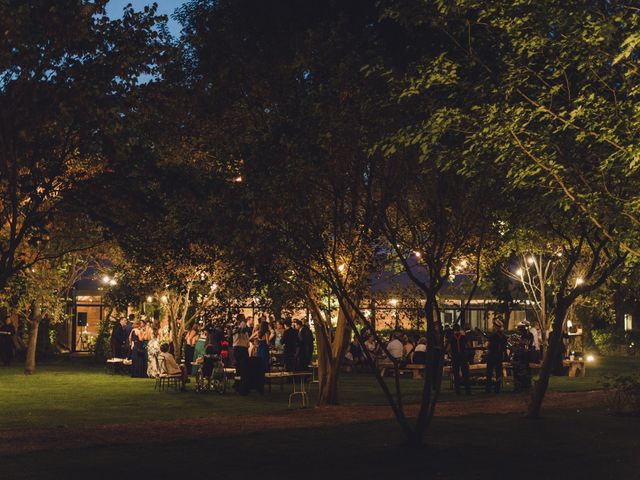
(287, 343)
(462, 349)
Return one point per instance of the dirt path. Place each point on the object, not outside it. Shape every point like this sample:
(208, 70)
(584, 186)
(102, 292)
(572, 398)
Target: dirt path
(14, 442)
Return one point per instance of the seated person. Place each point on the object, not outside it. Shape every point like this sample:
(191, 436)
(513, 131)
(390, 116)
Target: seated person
(209, 361)
(420, 352)
(372, 346)
(171, 367)
(356, 352)
(224, 352)
(395, 347)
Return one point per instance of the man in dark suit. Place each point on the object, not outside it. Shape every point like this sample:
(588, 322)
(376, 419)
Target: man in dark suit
(118, 338)
(7, 331)
(290, 342)
(305, 342)
(126, 350)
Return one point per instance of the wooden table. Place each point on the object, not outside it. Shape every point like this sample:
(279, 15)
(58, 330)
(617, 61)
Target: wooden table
(297, 389)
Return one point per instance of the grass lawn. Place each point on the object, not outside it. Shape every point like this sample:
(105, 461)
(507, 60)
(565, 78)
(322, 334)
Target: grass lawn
(569, 444)
(72, 393)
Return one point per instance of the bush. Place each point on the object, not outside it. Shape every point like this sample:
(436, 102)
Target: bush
(101, 345)
(609, 340)
(623, 394)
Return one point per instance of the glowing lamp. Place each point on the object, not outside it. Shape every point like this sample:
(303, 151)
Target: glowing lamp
(590, 358)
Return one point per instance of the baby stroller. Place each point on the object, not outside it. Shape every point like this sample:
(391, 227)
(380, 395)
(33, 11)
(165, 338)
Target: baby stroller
(211, 377)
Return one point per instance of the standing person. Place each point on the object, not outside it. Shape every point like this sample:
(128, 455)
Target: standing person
(153, 352)
(305, 342)
(253, 340)
(459, 359)
(262, 351)
(126, 350)
(138, 355)
(7, 331)
(118, 339)
(521, 357)
(190, 340)
(495, 356)
(277, 341)
(240, 339)
(290, 346)
(536, 351)
(199, 348)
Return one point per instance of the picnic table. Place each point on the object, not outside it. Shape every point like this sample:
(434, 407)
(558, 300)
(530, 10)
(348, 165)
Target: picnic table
(299, 388)
(118, 365)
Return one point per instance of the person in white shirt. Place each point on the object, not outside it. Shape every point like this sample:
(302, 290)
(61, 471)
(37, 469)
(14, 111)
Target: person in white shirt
(419, 355)
(537, 343)
(395, 347)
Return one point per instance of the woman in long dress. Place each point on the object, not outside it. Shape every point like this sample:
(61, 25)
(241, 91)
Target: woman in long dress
(138, 354)
(190, 342)
(199, 349)
(153, 351)
(262, 352)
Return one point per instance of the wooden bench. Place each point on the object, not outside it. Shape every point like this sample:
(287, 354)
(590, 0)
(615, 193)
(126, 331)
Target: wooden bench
(415, 369)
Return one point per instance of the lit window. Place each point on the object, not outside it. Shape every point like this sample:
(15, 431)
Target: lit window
(628, 322)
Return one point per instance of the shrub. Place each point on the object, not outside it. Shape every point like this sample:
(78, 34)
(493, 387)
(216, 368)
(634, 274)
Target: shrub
(622, 394)
(608, 340)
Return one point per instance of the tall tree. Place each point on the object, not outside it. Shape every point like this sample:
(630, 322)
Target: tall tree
(67, 78)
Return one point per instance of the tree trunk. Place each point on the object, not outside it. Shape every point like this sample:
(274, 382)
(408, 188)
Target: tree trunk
(330, 353)
(34, 324)
(555, 343)
(432, 373)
